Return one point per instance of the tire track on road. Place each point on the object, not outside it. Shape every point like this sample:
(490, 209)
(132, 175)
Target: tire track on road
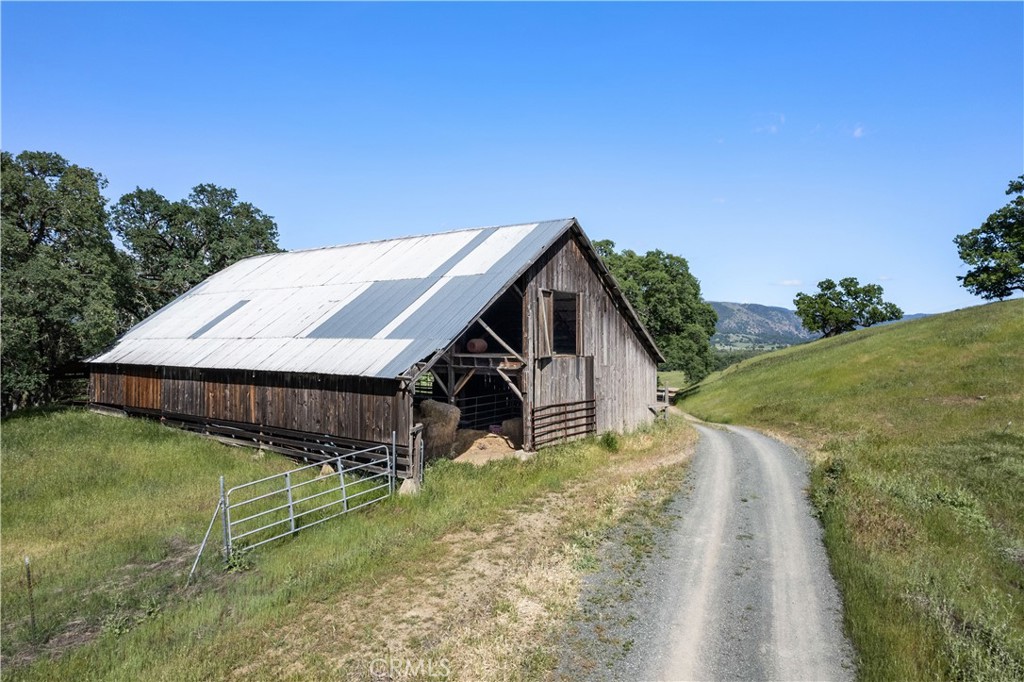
(741, 587)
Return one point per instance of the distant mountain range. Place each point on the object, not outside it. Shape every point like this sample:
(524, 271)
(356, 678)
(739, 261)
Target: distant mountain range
(754, 326)
(762, 327)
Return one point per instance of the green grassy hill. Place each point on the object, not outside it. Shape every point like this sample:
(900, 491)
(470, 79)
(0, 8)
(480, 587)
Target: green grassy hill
(917, 435)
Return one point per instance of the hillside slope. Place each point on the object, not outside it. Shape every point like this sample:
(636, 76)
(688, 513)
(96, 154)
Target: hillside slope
(743, 326)
(750, 325)
(917, 438)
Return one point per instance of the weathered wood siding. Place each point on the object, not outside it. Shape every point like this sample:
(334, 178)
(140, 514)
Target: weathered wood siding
(564, 379)
(624, 373)
(356, 408)
(608, 385)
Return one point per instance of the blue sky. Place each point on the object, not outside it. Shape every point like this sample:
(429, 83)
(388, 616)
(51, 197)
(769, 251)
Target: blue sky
(770, 144)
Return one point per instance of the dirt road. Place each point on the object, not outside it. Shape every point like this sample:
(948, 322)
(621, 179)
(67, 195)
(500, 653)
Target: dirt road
(740, 588)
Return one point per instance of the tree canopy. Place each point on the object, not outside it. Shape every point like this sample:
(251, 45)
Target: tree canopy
(995, 250)
(668, 300)
(175, 245)
(843, 307)
(68, 291)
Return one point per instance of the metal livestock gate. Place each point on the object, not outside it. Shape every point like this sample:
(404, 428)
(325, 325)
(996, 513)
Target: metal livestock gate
(267, 509)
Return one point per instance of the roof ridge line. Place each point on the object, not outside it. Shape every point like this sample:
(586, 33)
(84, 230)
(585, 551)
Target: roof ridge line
(416, 236)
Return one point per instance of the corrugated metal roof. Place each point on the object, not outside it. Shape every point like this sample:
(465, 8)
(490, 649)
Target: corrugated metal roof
(370, 309)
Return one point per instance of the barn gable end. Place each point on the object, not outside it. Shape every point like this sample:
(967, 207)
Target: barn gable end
(612, 353)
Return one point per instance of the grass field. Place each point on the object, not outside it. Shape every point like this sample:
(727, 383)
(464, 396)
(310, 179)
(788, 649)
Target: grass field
(673, 379)
(107, 510)
(111, 510)
(917, 433)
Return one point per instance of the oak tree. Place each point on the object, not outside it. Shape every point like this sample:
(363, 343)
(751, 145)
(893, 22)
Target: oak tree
(843, 307)
(178, 244)
(995, 250)
(66, 290)
(668, 300)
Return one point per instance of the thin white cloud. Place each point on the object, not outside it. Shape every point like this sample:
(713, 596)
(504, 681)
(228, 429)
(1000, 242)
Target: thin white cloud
(790, 282)
(858, 131)
(769, 123)
(718, 200)
(884, 278)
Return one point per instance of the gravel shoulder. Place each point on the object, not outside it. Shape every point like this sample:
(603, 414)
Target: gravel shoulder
(736, 585)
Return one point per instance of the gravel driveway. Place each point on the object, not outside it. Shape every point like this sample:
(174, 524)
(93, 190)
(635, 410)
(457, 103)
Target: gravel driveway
(737, 588)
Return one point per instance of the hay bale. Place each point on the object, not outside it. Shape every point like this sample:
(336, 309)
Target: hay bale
(436, 410)
(440, 422)
(513, 430)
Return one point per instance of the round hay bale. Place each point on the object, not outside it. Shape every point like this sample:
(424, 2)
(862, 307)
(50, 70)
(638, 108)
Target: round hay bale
(440, 422)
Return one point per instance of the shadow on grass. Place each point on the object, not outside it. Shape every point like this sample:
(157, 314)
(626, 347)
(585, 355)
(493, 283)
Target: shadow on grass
(40, 411)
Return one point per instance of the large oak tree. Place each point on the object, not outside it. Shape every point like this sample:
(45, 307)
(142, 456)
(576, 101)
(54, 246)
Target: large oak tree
(843, 307)
(66, 290)
(668, 300)
(177, 244)
(995, 250)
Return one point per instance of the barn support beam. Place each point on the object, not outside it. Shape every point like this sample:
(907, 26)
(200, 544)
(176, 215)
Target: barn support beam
(425, 367)
(462, 383)
(500, 340)
(440, 381)
(529, 350)
(511, 384)
(451, 378)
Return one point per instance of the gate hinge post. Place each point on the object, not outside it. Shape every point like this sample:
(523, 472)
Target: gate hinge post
(225, 521)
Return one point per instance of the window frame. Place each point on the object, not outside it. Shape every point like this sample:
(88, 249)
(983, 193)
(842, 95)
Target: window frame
(546, 327)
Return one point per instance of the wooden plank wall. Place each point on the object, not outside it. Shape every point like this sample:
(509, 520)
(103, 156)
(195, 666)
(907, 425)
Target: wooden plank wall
(359, 408)
(142, 389)
(625, 375)
(564, 379)
(107, 384)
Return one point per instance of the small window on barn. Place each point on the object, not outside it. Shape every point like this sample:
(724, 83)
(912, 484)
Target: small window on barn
(559, 324)
(565, 328)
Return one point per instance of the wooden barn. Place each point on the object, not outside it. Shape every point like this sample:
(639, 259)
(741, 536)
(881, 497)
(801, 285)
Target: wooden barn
(322, 350)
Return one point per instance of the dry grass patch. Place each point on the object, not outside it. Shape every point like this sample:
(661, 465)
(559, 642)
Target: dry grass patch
(491, 606)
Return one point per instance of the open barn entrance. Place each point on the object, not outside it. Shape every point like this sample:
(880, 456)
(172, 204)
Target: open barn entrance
(486, 402)
(481, 372)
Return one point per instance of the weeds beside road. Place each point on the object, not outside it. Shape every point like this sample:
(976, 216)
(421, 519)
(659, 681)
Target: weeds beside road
(918, 478)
